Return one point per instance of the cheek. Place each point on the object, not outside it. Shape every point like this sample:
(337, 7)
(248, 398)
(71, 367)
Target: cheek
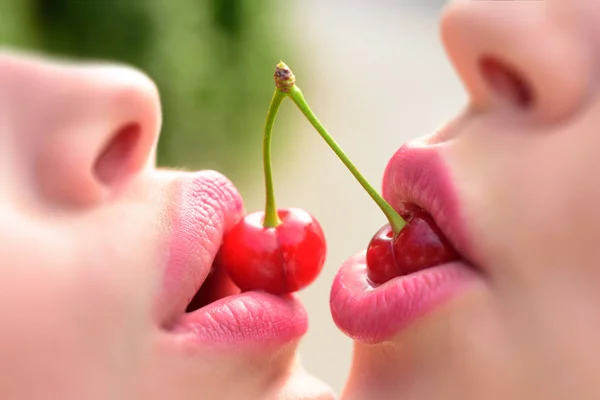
(68, 319)
(530, 199)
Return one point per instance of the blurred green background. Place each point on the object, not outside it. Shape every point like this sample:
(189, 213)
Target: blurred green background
(212, 61)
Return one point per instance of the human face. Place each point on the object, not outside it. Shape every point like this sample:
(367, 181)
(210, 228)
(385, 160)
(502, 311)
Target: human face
(513, 182)
(101, 253)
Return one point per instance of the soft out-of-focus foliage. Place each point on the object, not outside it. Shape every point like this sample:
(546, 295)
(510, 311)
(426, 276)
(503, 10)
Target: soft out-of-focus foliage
(211, 59)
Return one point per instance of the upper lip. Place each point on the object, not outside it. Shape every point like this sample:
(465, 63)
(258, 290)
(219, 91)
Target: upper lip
(418, 175)
(204, 205)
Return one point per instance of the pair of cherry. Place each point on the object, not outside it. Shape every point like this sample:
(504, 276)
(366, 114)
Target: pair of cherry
(282, 251)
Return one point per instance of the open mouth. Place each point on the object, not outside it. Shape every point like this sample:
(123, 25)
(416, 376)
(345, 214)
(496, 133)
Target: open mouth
(421, 244)
(220, 313)
(216, 287)
(203, 307)
(418, 185)
(437, 273)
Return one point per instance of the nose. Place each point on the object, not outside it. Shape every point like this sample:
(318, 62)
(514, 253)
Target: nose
(525, 56)
(81, 132)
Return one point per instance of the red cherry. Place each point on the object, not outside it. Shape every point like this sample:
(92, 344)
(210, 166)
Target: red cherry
(277, 260)
(419, 245)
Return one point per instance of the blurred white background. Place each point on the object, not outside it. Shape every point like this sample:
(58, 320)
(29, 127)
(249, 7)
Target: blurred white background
(391, 82)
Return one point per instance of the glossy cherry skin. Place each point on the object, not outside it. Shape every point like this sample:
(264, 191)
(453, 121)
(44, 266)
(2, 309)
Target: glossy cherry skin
(277, 260)
(419, 245)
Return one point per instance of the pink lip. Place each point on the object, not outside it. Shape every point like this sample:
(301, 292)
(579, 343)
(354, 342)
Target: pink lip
(247, 319)
(415, 175)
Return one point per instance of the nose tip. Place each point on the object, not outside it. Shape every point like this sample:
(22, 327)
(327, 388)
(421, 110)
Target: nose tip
(520, 55)
(87, 129)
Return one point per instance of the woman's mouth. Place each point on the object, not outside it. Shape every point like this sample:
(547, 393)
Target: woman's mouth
(205, 307)
(221, 313)
(415, 178)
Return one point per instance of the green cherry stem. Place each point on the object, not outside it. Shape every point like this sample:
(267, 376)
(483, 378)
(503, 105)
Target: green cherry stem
(271, 218)
(285, 82)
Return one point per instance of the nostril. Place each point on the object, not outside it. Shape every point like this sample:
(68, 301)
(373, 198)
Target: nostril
(118, 156)
(507, 82)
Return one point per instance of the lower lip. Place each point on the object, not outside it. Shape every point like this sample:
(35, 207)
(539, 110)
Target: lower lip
(388, 309)
(248, 319)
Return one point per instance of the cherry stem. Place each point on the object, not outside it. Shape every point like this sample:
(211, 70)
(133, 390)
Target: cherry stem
(271, 218)
(285, 81)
